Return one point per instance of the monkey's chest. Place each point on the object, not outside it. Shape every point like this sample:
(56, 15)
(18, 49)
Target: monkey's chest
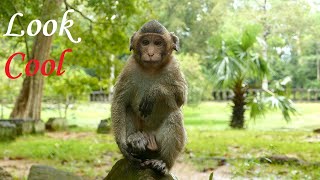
(149, 105)
(156, 101)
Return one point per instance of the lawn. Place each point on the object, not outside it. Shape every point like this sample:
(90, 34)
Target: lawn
(82, 151)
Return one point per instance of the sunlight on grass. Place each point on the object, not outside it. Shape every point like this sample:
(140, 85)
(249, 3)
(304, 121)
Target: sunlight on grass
(207, 115)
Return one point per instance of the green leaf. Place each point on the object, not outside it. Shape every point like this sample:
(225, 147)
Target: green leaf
(211, 176)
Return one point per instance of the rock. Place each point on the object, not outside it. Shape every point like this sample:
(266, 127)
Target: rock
(72, 126)
(316, 130)
(4, 175)
(104, 126)
(38, 127)
(56, 124)
(124, 170)
(40, 172)
(8, 131)
(281, 159)
(23, 126)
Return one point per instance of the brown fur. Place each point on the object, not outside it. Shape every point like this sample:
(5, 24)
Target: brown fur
(146, 108)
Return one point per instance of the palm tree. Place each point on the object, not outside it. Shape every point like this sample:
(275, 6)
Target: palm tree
(236, 60)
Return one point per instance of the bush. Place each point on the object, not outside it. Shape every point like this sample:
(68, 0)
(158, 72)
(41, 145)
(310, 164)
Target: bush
(198, 86)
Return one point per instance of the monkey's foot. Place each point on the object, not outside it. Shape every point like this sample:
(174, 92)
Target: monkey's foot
(146, 106)
(127, 154)
(155, 164)
(137, 142)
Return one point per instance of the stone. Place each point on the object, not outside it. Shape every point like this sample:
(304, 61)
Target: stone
(8, 131)
(104, 126)
(56, 124)
(316, 130)
(4, 175)
(39, 127)
(281, 159)
(41, 172)
(23, 126)
(123, 169)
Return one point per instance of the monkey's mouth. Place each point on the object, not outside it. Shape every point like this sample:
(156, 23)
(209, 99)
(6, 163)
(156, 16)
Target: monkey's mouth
(151, 61)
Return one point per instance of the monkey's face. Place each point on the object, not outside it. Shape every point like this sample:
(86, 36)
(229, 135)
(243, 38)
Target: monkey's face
(152, 49)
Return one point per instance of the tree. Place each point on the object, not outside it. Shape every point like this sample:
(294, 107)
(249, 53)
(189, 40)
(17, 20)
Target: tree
(192, 21)
(235, 62)
(28, 103)
(288, 34)
(102, 25)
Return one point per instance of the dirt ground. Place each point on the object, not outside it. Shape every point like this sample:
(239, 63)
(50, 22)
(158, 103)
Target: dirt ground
(187, 171)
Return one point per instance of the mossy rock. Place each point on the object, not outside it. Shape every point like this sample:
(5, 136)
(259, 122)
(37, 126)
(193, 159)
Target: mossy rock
(56, 124)
(104, 126)
(4, 175)
(23, 126)
(8, 131)
(41, 172)
(38, 127)
(123, 169)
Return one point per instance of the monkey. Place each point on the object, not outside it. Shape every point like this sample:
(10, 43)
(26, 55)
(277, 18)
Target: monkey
(150, 91)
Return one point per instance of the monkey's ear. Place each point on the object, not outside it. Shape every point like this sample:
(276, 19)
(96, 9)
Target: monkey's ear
(176, 44)
(131, 40)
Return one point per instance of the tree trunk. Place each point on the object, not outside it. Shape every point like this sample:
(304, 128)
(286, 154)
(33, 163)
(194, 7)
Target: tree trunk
(265, 45)
(112, 76)
(318, 69)
(2, 113)
(318, 61)
(238, 109)
(28, 103)
(59, 109)
(66, 106)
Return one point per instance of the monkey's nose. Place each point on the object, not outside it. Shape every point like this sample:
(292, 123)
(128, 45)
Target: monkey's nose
(151, 54)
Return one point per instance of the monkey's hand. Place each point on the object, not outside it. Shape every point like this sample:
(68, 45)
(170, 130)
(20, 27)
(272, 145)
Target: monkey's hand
(137, 143)
(155, 164)
(126, 153)
(146, 106)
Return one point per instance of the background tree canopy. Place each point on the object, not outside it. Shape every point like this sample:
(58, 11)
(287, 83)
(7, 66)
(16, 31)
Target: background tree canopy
(283, 42)
(242, 59)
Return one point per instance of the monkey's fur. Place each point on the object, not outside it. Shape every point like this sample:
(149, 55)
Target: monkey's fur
(146, 115)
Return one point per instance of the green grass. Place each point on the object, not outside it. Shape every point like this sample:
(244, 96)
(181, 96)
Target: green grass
(56, 149)
(79, 155)
(245, 148)
(213, 115)
(209, 138)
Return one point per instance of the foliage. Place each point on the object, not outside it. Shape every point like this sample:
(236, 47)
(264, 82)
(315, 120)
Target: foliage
(190, 65)
(237, 60)
(75, 84)
(288, 35)
(192, 21)
(105, 26)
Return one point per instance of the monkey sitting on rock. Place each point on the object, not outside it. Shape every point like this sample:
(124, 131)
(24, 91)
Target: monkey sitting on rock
(146, 107)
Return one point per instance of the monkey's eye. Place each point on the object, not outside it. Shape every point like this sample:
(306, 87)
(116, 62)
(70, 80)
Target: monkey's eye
(145, 42)
(158, 43)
